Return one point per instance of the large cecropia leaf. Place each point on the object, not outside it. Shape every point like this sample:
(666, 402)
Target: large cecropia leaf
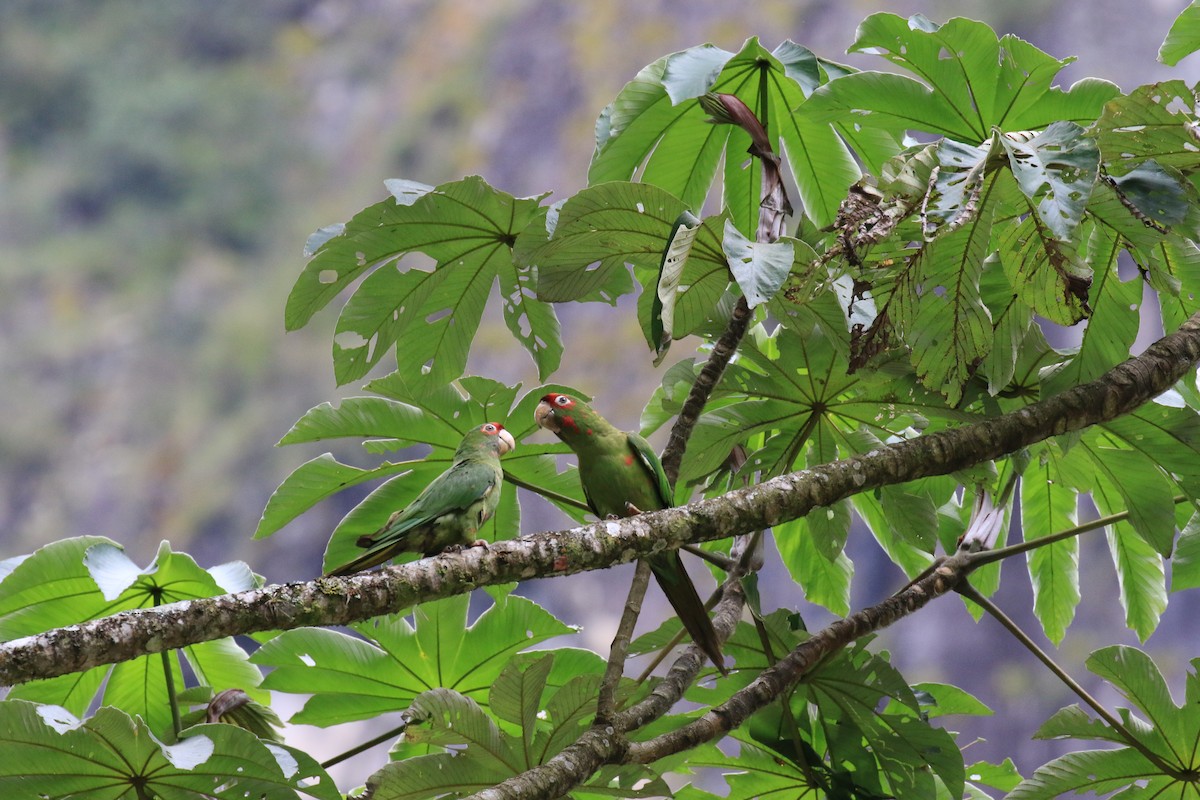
(87, 579)
(968, 82)
(1170, 732)
(350, 678)
(1184, 36)
(487, 752)
(468, 229)
(48, 752)
(655, 127)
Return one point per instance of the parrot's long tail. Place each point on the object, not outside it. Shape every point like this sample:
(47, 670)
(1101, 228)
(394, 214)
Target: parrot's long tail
(668, 569)
(367, 560)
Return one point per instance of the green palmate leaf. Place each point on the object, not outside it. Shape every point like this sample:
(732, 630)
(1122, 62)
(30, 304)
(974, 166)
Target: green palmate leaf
(1047, 507)
(100, 581)
(860, 727)
(51, 588)
(1156, 122)
(468, 229)
(760, 268)
(824, 578)
(489, 753)
(970, 82)
(1140, 578)
(414, 415)
(1184, 36)
(1013, 331)
(753, 773)
(50, 753)
(1131, 479)
(1167, 730)
(1056, 170)
(605, 227)
(324, 477)
(652, 125)
(1098, 771)
(951, 331)
(349, 678)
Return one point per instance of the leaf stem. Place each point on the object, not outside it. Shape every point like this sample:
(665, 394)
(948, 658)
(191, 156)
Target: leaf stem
(553, 497)
(367, 745)
(967, 590)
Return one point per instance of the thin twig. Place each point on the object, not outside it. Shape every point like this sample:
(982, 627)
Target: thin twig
(719, 560)
(606, 704)
(989, 556)
(969, 592)
(364, 746)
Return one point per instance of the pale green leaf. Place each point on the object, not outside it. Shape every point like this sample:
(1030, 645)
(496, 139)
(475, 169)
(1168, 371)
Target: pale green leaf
(48, 752)
(1049, 507)
(1185, 565)
(759, 268)
(1184, 37)
(352, 679)
(1056, 170)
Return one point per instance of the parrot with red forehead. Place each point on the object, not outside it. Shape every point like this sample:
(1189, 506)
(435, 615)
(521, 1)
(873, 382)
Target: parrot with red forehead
(450, 510)
(621, 476)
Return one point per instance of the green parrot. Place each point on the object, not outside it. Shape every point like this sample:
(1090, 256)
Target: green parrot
(621, 476)
(450, 510)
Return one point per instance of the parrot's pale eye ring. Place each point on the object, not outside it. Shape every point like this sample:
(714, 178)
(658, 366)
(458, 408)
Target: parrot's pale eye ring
(489, 428)
(562, 400)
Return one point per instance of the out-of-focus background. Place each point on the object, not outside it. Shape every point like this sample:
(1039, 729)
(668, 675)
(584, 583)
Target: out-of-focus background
(161, 165)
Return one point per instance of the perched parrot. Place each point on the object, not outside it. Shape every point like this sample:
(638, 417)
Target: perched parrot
(450, 510)
(622, 476)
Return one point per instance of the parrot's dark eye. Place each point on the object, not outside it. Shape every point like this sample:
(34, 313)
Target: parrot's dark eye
(489, 428)
(562, 400)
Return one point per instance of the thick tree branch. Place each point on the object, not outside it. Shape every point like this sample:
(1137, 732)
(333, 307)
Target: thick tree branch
(775, 680)
(336, 601)
(605, 742)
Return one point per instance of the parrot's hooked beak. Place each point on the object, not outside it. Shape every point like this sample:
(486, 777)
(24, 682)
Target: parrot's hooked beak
(507, 442)
(546, 418)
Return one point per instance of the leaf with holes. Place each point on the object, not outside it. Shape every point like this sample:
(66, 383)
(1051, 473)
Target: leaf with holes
(50, 753)
(468, 230)
(970, 82)
(89, 578)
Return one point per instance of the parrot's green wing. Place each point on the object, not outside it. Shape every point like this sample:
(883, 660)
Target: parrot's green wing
(654, 466)
(455, 490)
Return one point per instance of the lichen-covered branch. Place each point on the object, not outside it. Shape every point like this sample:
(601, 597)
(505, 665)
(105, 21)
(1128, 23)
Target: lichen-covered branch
(336, 601)
(777, 679)
(606, 742)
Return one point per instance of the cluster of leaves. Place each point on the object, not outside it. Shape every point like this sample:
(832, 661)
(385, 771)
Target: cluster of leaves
(943, 216)
(135, 741)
